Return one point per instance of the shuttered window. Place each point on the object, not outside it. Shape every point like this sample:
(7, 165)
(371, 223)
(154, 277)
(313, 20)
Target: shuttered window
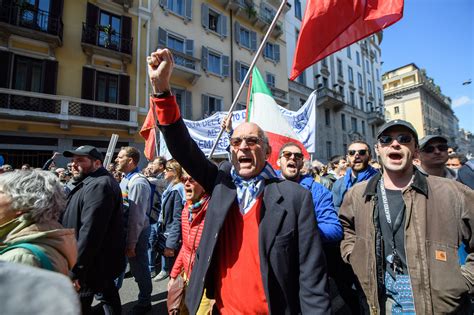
(214, 62)
(244, 37)
(213, 20)
(272, 52)
(210, 105)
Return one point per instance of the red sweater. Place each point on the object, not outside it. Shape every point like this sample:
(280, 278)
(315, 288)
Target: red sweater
(239, 285)
(190, 230)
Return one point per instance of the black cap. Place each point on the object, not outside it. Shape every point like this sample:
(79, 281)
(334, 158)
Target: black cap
(85, 150)
(400, 123)
(424, 141)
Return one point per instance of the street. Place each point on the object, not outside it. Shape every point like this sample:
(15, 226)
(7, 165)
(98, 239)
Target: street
(129, 293)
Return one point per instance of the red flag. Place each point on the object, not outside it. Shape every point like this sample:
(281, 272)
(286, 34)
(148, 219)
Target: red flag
(149, 134)
(330, 25)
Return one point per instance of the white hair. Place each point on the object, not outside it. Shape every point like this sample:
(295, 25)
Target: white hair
(38, 194)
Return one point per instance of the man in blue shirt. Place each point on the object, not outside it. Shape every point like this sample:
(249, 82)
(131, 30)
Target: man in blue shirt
(290, 162)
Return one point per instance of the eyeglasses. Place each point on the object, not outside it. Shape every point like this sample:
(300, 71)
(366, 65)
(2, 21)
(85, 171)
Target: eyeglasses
(169, 169)
(353, 152)
(188, 179)
(250, 140)
(297, 156)
(431, 148)
(402, 139)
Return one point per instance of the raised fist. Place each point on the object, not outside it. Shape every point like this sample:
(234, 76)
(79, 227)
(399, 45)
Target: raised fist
(160, 67)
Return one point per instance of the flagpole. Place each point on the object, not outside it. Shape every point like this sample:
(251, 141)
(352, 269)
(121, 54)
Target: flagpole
(252, 65)
(155, 129)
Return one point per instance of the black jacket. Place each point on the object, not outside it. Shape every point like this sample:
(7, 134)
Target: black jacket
(94, 210)
(172, 207)
(292, 263)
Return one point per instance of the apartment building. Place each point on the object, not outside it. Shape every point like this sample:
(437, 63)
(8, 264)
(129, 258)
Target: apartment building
(410, 94)
(213, 43)
(350, 104)
(70, 75)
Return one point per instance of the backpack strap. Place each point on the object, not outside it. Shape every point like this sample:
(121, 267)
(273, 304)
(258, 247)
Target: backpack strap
(40, 255)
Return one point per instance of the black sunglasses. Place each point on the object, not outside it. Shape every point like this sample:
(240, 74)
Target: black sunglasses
(353, 152)
(250, 140)
(402, 139)
(287, 155)
(431, 148)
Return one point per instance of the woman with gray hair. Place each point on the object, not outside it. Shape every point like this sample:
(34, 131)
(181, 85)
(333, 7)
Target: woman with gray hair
(31, 203)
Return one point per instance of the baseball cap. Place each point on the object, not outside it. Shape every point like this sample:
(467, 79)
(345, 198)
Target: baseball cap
(85, 150)
(424, 141)
(397, 123)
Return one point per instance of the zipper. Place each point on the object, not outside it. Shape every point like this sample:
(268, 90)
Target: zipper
(405, 247)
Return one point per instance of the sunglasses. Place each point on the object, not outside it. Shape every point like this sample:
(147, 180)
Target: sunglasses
(402, 139)
(250, 140)
(431, 148)
(353, 152)
(169, 169)
(287, 155)
(188, 179)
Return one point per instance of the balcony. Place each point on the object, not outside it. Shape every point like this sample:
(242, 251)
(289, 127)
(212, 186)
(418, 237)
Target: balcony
(330, 99)
(280, 96)
(31, 106)
(241, 8)
(25, 20)
(185, 66)
(103, 40)
(376, 118)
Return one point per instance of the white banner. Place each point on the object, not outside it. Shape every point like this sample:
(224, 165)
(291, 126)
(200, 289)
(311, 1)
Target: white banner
(205, 131)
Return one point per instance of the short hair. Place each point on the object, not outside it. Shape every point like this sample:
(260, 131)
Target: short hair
(336, 158)
(263, 135)
(132, 153)
(26, 165)
(461, 157)
(38, 194)
(362, 142)
(176, 167)
(161, 160)
(288, 144)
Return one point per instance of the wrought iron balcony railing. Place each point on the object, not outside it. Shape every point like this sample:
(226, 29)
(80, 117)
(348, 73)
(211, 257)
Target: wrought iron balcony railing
(106, 37)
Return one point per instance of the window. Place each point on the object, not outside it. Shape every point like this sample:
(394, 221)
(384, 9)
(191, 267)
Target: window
(379, 95)
(28, 74)
(328, 150)
(327, 116)
(343, 121)
(369, 87)
(213, 20)
(175, 43)
(109, 30)
(184, 100)
(359, 80)
(214, 62)
(302, 78)
(270, 78)
(176, 6)
(325, 82)
(367, 66)
(348, 51)
(377, 75)
(243, 72)
(352, 97)
(34, 14)
(339, 68)
(245, 37)
(210, 105)
(351, 74)
(363, 127)
(358, 58)
(298, 9)
(354, 124)
(361, 103)
(272, 52)
(106, 89)
(397, 110)
(375, 56)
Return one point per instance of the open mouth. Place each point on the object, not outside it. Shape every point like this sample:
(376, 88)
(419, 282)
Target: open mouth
(357, 161)
(291, 166)
(395, 156)
(244, 160)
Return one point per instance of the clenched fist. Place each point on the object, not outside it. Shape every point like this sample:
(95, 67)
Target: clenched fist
(160, 67)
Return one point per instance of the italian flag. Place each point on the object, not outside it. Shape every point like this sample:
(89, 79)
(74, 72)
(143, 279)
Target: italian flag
(263, 110)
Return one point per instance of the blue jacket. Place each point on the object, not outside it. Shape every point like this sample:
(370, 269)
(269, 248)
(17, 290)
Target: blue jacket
(328, 221)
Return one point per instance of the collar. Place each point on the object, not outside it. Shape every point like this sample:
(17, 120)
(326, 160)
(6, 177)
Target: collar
(101, 171)
(419, 183)
(129, 175)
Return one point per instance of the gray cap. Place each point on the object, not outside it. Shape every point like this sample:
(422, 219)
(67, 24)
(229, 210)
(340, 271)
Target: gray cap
(424, 141)
(85, 150)
(399, 123)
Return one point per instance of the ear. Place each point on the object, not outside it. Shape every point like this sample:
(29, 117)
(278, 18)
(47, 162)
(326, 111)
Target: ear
(278, 163)
(269, 151)
(376, 148)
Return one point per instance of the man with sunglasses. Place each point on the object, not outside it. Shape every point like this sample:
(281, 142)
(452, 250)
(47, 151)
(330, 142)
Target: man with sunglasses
(290, 162)
(260, 250)
(402, 230)
(434, 155)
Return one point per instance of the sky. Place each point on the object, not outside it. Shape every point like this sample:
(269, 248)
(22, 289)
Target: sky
(437, 35)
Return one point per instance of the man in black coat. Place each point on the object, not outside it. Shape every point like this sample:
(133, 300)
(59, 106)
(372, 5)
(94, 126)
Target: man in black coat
(94, 210)
(260, 250)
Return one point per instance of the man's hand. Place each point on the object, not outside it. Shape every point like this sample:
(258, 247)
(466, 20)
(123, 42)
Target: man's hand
(160, 67)
(227, 123)
(168, 252)
(130, 252)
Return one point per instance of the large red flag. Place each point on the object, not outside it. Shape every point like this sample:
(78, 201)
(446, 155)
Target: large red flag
(149, 134)
(330, 25)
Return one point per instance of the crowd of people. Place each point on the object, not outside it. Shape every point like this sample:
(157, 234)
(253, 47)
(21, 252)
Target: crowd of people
(387, 225)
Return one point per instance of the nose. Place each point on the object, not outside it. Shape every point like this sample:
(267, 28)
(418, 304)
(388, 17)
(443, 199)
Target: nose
(243, 145)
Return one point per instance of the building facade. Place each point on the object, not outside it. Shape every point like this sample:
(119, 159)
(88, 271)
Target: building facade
(350, 103)
(465, 143)
(213, 43)
(72, 74)
(413, 96)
